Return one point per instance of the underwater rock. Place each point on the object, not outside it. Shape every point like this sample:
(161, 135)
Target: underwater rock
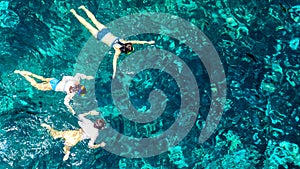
(268, 84)
(295, 13)
(282, 154)
(8, 18)
(294, 43)
(6, 104)
(177, 158)
(293, 77)
(122, 163)
(125, 163)
(4, 5)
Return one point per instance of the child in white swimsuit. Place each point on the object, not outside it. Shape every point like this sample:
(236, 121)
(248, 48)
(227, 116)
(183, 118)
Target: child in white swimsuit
(69, 84)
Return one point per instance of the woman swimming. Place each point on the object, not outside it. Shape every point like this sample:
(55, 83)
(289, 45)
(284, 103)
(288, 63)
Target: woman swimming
(69, 84)
(103, 34)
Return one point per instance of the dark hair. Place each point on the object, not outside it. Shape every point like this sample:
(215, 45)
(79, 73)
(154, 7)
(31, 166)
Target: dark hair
(78, 88)
(99, 124)
(126, 48)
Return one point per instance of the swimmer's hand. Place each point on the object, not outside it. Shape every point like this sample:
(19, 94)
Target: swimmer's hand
(151, 42)
(46, 126)
(94, 113)
(102, 144)
(73, 112)
(89, 77)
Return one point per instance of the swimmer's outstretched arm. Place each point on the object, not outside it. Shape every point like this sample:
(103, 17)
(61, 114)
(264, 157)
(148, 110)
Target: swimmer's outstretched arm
(115, 61)
(92, 141)
(67, 100)
(92, 145)
(82, 116)
(83, 76)
(140, 42)
(67, 78)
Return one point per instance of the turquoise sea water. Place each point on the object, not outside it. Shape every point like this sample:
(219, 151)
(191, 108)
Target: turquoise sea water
(257, 42)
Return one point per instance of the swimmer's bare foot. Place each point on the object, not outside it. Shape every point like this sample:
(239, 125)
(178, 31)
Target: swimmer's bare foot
(23, 73)
(17, 71)
(46, 126)
(82, 7)
(102, 144)
(73, 11)
(91, 16)
(66, 157)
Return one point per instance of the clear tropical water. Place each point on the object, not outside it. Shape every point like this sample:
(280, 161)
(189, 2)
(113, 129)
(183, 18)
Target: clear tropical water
(258, 44)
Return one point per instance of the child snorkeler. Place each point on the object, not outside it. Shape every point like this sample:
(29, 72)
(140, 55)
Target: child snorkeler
(68, 84)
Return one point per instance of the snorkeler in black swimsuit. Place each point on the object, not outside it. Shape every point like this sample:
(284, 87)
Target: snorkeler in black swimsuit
(103, 34)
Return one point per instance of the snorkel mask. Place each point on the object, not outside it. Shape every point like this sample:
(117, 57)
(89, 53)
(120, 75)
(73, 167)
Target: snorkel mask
(130, 51)
(81, 91)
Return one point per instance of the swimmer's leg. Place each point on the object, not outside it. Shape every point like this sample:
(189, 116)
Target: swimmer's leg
(44, 86)
(23, 72)
(41, 77)
(27, 73)
(54, 133)
(92, 30)
(99, 25)
(58, 134)
(72, 137)
(40, 86)
(66, 152)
